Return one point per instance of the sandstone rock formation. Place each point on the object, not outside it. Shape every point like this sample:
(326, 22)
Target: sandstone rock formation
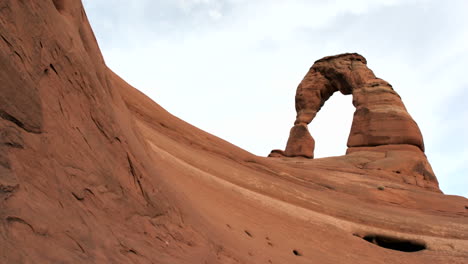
(300, 142)
(380, 117)
(381, 121)
(93, 171)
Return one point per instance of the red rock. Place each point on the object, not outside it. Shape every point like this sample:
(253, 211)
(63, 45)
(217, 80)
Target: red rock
(93, 171)
(380, 117)
(407, 162)
(276, 153)
(300, 142)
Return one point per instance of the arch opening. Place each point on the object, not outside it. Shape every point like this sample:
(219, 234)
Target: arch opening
(331, 126)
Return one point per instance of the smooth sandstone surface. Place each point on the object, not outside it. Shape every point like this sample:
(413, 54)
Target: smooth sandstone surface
(93, 171)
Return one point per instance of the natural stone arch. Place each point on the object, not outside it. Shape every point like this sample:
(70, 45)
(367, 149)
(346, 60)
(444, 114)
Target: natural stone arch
(380, 117)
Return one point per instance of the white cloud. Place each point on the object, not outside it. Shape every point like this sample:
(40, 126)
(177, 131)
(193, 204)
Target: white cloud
(215, 14)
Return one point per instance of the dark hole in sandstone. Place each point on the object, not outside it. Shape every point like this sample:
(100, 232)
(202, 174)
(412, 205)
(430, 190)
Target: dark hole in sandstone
(59, 4)
(79, 198)
(395, 243)
(297, 253)
(248, 233)
(53, 68)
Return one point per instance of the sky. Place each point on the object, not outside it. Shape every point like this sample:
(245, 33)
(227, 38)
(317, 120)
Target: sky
(231, 67)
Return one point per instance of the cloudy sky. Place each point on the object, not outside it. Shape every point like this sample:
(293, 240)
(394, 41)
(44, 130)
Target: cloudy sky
(231, 67)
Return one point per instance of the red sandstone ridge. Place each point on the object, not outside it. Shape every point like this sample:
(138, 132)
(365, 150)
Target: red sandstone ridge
(381, 123)
(93, 171)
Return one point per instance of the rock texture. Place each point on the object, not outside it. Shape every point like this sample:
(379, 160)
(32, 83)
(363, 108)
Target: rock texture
(380, 119)
(300, 142)
(93, 171)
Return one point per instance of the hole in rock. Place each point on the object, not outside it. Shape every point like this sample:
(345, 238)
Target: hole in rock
(59, 4)
(395, 243)
(297, 253)
(248, 233)
(77, 197)
(331, 127)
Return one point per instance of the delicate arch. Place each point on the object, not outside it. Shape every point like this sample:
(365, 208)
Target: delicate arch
(380, 117)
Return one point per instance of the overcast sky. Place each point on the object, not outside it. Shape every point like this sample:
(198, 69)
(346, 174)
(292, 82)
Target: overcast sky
(231, 67)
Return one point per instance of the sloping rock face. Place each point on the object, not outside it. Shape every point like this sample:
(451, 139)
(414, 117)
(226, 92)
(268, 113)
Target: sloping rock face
(93, 171)
(75, 179)
(380, 122)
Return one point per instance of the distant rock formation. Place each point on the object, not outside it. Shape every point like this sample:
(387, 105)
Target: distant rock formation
(380, 117)
(380, 123)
